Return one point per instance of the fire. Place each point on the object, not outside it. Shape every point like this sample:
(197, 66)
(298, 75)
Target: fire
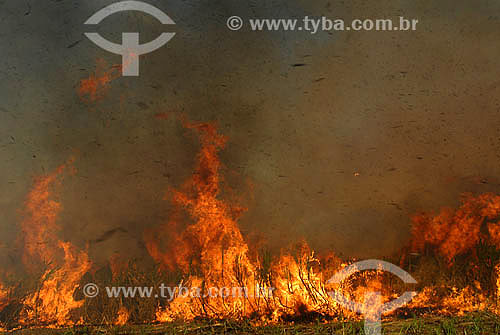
(39, 228)
(213, 253)
(456, 232)
(466, 232)
(497, 272)
(213, 243)
(122, 317)
(118, 265)
(95, 86)
(215, 233)
(52, 303)
(494, 231)
(4, 296)
(222, 276)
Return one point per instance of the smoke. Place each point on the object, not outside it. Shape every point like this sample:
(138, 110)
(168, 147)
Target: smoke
(341, 151)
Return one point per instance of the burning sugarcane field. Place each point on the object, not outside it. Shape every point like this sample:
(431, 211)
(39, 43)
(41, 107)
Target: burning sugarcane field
(274, 167)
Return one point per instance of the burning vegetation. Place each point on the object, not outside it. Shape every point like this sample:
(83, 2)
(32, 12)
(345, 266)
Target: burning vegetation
(454, 256)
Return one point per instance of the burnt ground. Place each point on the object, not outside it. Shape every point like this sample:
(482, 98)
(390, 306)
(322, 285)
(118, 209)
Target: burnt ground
(476, 323)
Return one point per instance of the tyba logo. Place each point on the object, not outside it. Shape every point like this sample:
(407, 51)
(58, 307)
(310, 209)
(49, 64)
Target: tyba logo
(130, 49)
(372, 308)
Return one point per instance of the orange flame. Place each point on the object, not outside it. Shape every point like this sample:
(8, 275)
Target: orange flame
(456, 232)
(96, 85)
(39, 228)
(202, 240)
(213, 253)
(122, 317)
(53, 301)
(4, 296)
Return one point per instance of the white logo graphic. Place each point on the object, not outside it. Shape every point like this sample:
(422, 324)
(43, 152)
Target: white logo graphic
(91, 290)
(130, 49)
(234, 23)
(372, 308)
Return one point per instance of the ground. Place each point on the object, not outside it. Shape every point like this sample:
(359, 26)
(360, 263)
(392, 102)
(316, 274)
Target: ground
(472, 324)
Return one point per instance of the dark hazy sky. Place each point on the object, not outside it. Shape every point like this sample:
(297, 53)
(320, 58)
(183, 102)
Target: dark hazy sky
(415, 114)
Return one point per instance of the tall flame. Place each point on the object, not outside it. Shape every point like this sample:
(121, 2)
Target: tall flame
(39, 228)
(53, 301)
(213, 254)
(456, 232)
(453, 233)
(202, 241)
